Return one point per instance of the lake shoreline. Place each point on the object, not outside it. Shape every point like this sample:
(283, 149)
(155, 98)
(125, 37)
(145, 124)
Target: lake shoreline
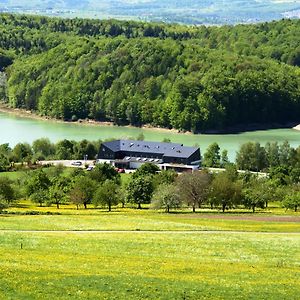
(237, 129)
(4, 108)
(88, 122)
(27, 129)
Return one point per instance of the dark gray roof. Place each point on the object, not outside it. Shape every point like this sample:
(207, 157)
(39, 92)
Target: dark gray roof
(166, 149)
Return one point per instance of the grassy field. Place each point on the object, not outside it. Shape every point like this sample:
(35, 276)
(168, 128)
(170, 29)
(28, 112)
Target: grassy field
(13, 175)
(274, 219)
(138, 265)
(26, 172)
(133, 220)
(79, 254)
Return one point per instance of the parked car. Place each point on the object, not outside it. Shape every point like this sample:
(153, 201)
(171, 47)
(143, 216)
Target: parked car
(121, 171)
(76, 163)
(90, 168)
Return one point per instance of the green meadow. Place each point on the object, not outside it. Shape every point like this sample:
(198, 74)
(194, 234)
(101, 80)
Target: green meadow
(143, 254)
(137, 265)
(133, 220)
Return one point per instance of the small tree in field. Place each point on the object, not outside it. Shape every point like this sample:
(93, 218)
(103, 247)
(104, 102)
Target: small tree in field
(257, 193)
(7, 193)
(107, 194)
(82, 191)
(292, 201)
(139, 190)
(58, 190)
(77, 196)
(56, 195)
(40, 197)
(122, 195)
(166, 196)
(193, 188)
(253, 198)
(224, 191)
(37, 187)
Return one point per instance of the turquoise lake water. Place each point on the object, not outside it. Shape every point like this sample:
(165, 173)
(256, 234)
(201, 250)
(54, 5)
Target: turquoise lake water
(14, 129)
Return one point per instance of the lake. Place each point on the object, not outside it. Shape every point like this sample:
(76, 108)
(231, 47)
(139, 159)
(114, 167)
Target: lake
(15, 129)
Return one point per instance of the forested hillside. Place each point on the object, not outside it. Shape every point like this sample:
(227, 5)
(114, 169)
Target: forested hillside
(188, 78)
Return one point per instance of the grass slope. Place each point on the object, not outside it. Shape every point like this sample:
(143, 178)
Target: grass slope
(177, 259)
(144, 220)
(149, 266)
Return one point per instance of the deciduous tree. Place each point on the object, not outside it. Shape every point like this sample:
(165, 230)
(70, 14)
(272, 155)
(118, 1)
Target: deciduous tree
(225, 192)
(212, 156)
(194, 187)
(107, 194)
(83, 191)
(251, 156)
(139, 190)
(6, 190)
(166, 196)
(292, 200)
(147, 169)
(58, 190)
(103, 172)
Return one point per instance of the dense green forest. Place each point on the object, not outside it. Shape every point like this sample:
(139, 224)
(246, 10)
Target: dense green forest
(188, 78)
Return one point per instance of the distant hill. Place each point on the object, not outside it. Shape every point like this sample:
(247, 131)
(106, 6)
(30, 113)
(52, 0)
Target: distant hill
(194, 78)
(184, 11)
